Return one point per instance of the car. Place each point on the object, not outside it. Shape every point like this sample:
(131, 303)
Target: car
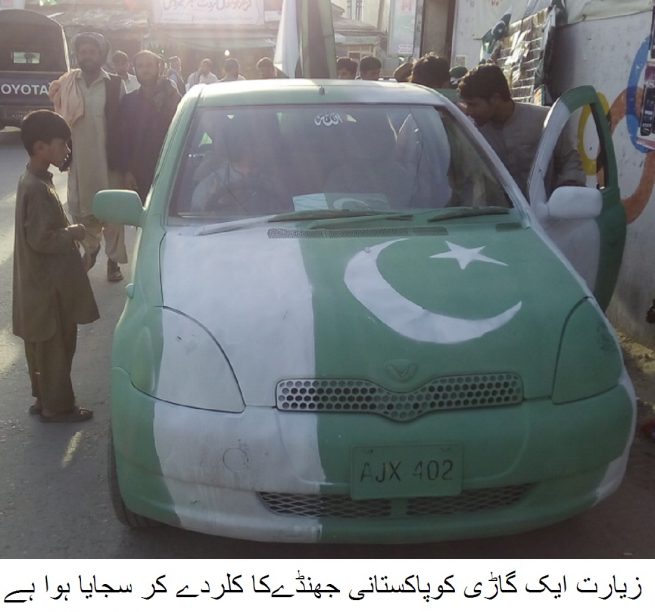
(347, 324)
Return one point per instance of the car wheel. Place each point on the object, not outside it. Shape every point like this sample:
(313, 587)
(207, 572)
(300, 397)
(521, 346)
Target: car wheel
(123, 513)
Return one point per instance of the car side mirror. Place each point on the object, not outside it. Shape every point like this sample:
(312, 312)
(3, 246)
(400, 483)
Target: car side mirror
(575, 203)
(119, 206)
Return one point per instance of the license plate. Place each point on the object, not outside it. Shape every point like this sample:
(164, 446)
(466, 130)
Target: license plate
(16, 114)
(406, 471)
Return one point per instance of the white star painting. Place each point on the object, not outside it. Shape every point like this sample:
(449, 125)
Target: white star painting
(466, 256)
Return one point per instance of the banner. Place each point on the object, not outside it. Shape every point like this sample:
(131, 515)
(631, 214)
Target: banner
(209, 12)
(329, 585)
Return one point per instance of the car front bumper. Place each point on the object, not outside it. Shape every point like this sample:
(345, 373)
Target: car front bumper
(267, 475)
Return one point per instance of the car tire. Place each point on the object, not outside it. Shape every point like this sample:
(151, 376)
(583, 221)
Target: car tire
(122, 512)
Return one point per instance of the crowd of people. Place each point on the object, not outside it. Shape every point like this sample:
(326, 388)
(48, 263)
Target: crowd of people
(107, 130)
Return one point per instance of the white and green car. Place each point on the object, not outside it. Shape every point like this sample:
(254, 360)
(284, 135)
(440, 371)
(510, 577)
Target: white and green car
(347, 324)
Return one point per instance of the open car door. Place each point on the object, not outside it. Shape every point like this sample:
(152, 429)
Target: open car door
(588, 224)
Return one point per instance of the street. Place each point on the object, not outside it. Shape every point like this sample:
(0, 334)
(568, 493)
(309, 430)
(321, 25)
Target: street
(54, 500)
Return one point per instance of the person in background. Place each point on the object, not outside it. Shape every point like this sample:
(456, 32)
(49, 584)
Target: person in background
(403, 72)
(457, 73)
(232, 70)
(346, 68)
(51, 291)
(513, 129)
(266, 68)
(174, 73)
(121, 64)
(145, 116)
(203, 75)
(370, 68)
(434, 72)
(89, 99)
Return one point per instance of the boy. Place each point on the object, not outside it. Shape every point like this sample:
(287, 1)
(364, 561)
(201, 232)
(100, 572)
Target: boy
(51, 291)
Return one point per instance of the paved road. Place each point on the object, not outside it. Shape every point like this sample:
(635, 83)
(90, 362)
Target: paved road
(53, 491)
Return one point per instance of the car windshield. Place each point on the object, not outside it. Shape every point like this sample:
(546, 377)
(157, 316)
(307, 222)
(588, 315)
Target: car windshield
(255, 161)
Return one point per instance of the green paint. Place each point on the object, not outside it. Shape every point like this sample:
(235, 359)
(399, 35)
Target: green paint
(554, 449)
(590, 361)
(139, 472)
(352, 343)
(501, 446)
(137, 349)
(612, 221)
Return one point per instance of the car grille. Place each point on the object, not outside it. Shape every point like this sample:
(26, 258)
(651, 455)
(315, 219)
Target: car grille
(362, 396)
(343, 507)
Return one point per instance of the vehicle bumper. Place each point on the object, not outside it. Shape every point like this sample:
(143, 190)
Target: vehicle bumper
(272, 476)
(13, 115)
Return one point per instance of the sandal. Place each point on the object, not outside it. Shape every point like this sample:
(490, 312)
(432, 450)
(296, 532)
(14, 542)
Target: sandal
(35, 408)
(79, 414)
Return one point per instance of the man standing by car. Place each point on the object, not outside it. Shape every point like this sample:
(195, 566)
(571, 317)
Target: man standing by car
(513, 129)
(145, 117)
(89, 99)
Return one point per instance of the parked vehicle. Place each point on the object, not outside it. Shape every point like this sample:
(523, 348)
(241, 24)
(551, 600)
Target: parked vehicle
(337, 332)
(33, 53)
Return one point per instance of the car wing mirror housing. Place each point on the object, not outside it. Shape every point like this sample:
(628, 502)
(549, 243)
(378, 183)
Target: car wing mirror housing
(575, 203)
(118, 206)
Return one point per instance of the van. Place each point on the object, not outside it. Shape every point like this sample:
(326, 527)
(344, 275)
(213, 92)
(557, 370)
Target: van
(33, 53)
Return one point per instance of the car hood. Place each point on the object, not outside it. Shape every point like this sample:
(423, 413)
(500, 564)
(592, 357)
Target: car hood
(395, 306)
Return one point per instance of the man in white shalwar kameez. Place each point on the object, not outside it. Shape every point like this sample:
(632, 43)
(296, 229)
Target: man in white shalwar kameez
(91, 169)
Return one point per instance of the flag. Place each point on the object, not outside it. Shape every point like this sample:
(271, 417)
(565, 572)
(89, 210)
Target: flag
(287, 50)
(305, 43)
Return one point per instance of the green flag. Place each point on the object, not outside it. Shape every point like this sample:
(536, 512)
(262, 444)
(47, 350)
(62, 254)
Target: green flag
(318, 52)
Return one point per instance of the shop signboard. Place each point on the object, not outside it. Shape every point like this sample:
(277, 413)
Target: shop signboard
(209, 12)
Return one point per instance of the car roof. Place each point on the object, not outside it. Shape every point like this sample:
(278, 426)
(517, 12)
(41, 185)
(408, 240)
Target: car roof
(306, 91)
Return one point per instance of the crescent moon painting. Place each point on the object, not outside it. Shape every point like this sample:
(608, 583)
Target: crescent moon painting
(368, 286)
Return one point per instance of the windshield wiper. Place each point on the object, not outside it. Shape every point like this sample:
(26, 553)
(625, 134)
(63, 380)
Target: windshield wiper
(456, 213)
(229, 226)
(303, 215)
(312, 215)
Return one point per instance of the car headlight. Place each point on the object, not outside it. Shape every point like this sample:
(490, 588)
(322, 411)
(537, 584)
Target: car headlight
(589, 361)
(176, 360)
